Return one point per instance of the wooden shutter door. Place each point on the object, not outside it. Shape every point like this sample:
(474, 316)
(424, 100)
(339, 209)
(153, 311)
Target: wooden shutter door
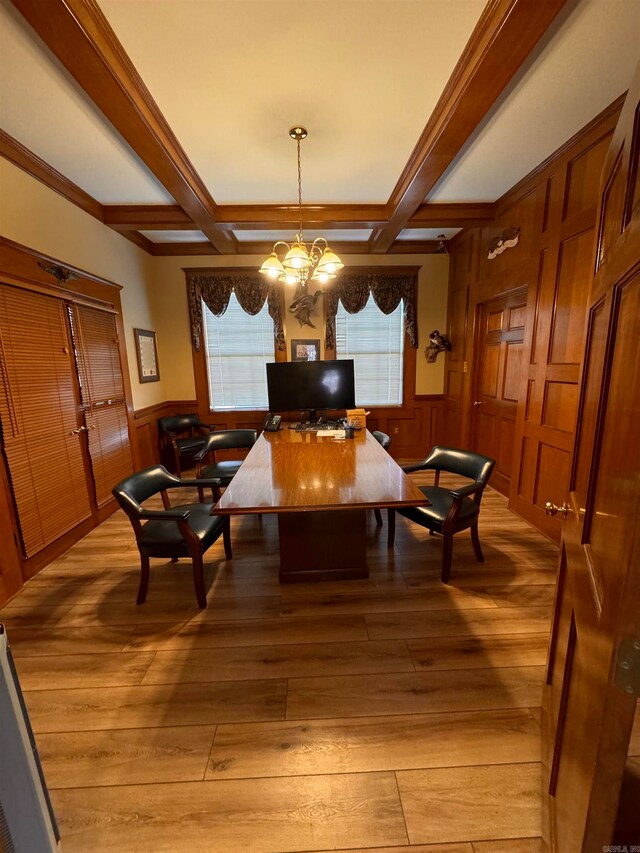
(39, 417)
(103, 400)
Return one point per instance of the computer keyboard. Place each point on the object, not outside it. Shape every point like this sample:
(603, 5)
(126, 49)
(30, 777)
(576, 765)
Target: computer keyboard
(316, 427)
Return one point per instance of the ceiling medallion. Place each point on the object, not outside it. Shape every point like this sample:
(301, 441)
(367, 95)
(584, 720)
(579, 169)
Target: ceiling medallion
(301, 262)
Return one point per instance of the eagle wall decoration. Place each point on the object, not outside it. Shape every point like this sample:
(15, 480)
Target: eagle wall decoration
(437, 344)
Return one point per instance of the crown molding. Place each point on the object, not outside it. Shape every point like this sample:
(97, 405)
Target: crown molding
(29, 162)
(78, 33)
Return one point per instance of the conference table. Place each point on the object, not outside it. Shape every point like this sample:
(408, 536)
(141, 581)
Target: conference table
(320, 488)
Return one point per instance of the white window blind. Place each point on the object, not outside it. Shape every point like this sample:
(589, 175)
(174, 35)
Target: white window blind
(238, 345)
(375, 342)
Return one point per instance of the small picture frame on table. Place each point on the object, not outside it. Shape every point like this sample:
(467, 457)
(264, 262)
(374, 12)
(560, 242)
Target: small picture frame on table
(147, 352)
(305, 350)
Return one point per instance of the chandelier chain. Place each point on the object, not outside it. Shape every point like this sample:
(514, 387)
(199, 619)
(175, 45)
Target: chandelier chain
(299, 186)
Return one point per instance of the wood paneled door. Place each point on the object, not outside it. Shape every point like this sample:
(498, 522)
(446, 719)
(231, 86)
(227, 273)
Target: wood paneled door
(594, 661)
(497, 386)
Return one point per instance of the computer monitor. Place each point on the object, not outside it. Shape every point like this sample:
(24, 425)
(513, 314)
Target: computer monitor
(311, 385)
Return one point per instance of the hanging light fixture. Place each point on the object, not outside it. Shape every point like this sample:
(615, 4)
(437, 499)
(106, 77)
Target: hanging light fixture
(301, 262)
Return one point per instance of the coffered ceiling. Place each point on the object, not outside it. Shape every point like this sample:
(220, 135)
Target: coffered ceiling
(168, 119)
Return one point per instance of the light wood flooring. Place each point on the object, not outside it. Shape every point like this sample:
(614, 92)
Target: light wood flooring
(393, 714)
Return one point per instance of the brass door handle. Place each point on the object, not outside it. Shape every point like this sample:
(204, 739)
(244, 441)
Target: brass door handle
(478, 403)
(552, 509)
(75, 431)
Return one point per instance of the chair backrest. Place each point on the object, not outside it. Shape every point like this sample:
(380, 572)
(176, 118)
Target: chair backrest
(141, 485)
(230, 439)
(465, 463)
(178, 423)
(382, 438)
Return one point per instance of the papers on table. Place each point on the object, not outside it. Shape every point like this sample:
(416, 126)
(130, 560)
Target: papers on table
(331, 433)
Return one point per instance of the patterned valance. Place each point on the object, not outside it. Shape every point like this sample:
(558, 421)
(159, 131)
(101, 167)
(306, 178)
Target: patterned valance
(388, 288)
(214, 288)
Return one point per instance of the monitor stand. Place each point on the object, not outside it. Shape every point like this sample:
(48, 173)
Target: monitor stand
(315, 423)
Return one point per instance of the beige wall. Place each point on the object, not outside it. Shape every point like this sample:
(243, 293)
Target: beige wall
(37, 217)
(170, 310)
(154, 292)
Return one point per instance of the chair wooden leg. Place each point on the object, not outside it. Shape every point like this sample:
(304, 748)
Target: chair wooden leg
(391, 524)
(198, 580)
(144, 580)
(447, 556)
(201, 494)
(226, 538)
(378, 516)
(174, 559)
(475, 540)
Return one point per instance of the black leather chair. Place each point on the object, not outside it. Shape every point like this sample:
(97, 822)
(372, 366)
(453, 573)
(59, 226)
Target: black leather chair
(225, 470)
(385, 440)
(451, 510)
(182, 435)
(184, 531)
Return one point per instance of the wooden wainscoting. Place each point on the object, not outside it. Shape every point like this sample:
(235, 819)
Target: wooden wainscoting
(414, 427)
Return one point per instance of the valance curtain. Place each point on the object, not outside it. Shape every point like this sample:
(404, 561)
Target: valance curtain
(214, 289)
(353, 289)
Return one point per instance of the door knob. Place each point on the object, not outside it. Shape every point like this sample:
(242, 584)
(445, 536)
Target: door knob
(552, 509)
(478, 403)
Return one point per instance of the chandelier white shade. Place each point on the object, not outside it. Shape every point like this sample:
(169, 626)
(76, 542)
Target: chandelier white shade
(298, 262)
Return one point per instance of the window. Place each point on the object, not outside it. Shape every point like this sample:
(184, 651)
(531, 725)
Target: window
(375, 341)
(238, 345)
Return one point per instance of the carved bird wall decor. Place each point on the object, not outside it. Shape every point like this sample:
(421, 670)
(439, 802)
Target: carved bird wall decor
(506, 240)
(437, 344)
(303, 306)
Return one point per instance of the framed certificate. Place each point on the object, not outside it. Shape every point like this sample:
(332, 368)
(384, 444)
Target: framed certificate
(147, 352)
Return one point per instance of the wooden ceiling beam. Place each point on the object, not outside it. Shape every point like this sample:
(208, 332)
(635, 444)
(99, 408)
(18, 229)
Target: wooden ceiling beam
(80, 36)
(503, 38)
(453, 215)
(267, 217)
(263, 248)
(147, 217)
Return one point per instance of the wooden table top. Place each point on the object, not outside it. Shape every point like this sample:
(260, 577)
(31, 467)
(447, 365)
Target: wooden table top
(289, 471)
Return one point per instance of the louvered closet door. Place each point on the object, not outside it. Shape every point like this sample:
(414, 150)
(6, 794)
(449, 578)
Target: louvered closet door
(39, 411)
(103, 400)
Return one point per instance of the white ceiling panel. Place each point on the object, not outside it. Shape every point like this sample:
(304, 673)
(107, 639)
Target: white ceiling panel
(175, 236)
(427, 233)
(582, 67)
(335, 236)
(44, 109)
(231, 77)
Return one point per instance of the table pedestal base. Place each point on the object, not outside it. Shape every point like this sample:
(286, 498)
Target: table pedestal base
(323, 546)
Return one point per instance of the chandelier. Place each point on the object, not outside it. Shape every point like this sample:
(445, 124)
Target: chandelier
(301, 262)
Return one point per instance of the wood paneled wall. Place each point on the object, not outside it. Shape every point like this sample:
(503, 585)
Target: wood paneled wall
(555, 209)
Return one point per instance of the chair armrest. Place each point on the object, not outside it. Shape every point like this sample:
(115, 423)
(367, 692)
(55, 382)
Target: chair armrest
(176, 514)
(409, 469)
(211, 481)
(199, 456)
(465, 491)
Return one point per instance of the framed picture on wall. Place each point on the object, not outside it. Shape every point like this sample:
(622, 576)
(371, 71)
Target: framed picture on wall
(147, 352)
(305, 350)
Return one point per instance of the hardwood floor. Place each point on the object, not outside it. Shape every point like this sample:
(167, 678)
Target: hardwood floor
(390, 714)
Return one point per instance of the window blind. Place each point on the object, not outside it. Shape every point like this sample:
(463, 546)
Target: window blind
(39, 412)
(375, 341)
(103, 402)
(238, 346)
